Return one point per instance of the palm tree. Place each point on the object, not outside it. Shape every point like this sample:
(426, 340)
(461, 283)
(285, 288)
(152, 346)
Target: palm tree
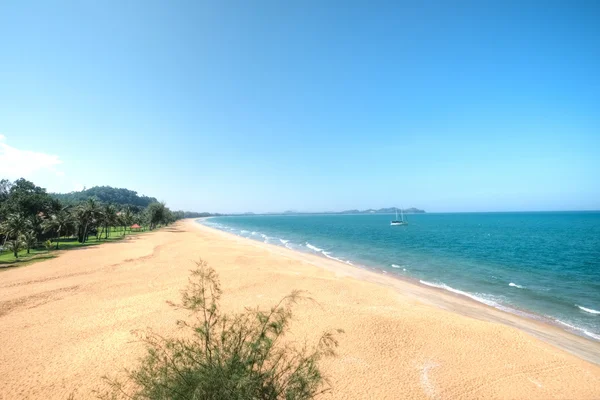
(86, 215)
(108, 218)
(29, 239)
(15, 245)
(126, 218)
(13, 227)
(59, 222)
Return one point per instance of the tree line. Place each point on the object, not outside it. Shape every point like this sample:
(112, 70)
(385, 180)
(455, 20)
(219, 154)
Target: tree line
(31, 218)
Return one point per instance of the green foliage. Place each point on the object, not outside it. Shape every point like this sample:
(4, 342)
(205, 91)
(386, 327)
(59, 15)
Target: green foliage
(48, 245)
(29, 240)
(26, 198)
(157, 213)
(106, 194)
(60, 223)
(15, 245)
(25, 207)
(13, 229)
(240, 356)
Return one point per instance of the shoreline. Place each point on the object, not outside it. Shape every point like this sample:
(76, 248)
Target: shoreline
(543, 328)
(68, 321)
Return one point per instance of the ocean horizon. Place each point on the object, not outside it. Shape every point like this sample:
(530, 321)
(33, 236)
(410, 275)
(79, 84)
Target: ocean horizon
(543, 265)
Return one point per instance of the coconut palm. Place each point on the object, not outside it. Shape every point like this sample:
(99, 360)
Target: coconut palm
(13, 227)
(87, 215)
(126, 218)
(60, 222)
(29, 239)
(15, 245)
(107, 218)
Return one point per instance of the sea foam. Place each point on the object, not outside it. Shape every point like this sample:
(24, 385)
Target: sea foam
(515, 285)
(480, 299)
(313, 248)
(588, 310)
(578, 329)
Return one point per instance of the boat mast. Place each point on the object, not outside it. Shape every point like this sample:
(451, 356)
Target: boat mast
(396, 213)
(402, 214)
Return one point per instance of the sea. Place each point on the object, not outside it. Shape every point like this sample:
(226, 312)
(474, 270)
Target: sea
(541, 265)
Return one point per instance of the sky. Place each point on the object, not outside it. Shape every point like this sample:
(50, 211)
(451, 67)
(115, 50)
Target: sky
(234, 106)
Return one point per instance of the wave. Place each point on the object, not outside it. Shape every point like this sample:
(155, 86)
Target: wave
(588, 310)
(328, 255)
(480, 299)
(397, 266)
(313, 248)
(283, 241)
(578, 329)
(515, 285)
(504, 308)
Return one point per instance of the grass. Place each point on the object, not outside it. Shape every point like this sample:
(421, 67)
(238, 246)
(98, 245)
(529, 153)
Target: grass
(8, 260)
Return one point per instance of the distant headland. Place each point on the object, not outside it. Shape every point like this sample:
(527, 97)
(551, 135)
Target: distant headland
(389, 210)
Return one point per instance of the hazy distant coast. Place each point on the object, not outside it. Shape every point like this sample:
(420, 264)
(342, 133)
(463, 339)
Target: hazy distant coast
(389, 210)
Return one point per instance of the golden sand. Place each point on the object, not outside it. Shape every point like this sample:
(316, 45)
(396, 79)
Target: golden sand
(66, 322)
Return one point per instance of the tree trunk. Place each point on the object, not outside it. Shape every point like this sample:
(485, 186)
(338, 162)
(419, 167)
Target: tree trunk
(16, 248)
(106, 232)
(57, 239)
(85, 232)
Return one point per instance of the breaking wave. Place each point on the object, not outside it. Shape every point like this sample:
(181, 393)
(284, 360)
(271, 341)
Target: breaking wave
(588, 310)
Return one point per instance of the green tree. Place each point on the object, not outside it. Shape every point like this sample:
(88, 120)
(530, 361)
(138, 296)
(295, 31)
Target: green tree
(60, 222)
(13, 227)
(126, 219)
(26, 198)
(29, 239)
(156, 213)
(86, 215)
(107, 217)
(15, 245)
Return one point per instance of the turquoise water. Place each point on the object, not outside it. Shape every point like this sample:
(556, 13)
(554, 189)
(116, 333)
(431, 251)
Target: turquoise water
(541, 265)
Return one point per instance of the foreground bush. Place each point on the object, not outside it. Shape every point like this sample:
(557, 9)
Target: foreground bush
(238, 357)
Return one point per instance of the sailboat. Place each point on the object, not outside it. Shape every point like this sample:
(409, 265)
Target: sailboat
(397, 221)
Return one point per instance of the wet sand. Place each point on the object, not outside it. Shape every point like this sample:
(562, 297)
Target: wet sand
(67, 321)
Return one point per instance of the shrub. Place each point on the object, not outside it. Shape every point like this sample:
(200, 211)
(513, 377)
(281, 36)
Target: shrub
(48, 245)
(238, 356)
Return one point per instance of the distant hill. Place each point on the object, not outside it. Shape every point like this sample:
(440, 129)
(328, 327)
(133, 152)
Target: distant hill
(106, 194)
(192, 214)
(390, 210)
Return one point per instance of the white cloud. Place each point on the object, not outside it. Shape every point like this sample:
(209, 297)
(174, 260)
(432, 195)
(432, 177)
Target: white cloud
(16, 163)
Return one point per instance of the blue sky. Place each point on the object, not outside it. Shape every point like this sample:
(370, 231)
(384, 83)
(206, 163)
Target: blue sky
(311, 105)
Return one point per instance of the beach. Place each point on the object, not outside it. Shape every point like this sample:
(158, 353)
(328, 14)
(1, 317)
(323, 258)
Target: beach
(67, 321)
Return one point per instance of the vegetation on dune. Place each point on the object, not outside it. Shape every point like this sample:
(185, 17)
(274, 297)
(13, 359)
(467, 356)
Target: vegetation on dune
(225, 356)
(29, 216)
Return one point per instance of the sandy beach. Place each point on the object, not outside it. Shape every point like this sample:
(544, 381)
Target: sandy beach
(67, 321)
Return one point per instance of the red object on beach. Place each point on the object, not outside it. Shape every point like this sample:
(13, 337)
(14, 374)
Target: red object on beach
(135, 226)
